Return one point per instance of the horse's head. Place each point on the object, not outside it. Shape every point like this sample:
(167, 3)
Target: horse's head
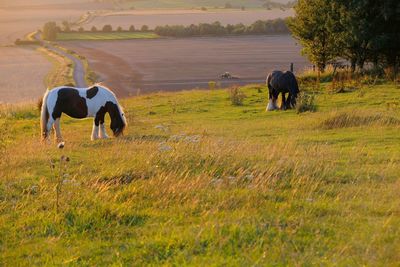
(118, 120)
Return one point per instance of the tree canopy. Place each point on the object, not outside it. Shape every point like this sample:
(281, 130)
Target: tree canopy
(359, 31)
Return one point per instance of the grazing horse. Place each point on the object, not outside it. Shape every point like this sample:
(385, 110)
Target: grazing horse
(282, 82)
(81, 103)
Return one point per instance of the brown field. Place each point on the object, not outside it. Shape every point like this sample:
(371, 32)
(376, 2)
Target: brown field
(23, 70)
(154, 18)
(173, 64)
(22, 74)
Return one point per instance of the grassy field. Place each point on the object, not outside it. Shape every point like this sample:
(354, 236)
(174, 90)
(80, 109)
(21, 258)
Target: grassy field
(198, 181)
(92, 36)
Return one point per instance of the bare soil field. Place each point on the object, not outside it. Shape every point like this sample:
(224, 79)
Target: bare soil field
(22, 74)
(133, 66)
(16, 23)
(23, 70)
(154, 18)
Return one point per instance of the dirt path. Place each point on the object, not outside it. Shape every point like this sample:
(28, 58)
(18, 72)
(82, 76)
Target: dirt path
(79, 70)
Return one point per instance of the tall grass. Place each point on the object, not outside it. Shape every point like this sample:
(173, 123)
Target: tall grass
(236, 186)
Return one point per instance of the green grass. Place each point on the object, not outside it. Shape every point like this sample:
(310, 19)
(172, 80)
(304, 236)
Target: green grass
(198, 181)
(105, 36)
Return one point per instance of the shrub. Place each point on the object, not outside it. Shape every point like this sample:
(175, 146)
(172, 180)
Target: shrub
(236, 96)
(145, 28)
(107, 28)
(305, 102)
(50, 31)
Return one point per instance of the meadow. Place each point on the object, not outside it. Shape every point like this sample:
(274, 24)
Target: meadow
(94, 36)
(198, 181)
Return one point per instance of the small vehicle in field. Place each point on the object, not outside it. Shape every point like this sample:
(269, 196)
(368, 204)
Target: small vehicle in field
(227, 76)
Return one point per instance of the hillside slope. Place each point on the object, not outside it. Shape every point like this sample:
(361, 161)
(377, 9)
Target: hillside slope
(198, 181)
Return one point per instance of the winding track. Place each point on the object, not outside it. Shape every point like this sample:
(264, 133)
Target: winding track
(78, 68)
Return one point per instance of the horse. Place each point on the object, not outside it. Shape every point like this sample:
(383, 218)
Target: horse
(81, 103)
(282, 82)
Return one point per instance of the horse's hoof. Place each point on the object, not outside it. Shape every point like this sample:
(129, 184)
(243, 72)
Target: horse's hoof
(270, 107)
(61, 145)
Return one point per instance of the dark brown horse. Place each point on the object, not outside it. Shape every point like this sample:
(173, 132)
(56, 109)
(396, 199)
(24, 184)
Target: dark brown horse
(282, 82)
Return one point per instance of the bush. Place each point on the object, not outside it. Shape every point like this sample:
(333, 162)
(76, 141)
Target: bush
(305, 102)
(236, 96)
(145, 28)
(50, 31)
(107, 28)
(26, 42)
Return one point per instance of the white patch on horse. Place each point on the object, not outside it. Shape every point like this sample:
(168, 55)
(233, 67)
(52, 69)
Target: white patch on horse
(271, 105)
(95, 132)
(102, 132)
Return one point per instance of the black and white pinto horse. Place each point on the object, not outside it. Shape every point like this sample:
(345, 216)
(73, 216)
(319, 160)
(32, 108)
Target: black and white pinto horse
(282, 82)
(81, 103)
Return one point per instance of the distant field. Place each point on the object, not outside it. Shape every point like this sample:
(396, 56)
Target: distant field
(153, 18)
(194, 3)
(106, 36)
(174, 64)
(22, 74)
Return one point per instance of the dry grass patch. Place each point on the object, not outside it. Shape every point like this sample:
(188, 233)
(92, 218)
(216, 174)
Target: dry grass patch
(352, 119)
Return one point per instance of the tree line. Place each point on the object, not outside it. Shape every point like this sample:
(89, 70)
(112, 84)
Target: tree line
(360, 31)
(277, 26)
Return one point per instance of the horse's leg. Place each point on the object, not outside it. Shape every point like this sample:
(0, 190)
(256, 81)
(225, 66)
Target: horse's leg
(273, 96)
(95, 130)
(49, 125)
(100, 119)
(283, 103)
(57, 130)
(275, 99)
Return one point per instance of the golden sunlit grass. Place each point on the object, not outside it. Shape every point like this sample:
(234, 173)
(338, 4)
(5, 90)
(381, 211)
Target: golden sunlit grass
(199, 181)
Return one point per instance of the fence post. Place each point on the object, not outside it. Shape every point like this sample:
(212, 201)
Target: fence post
(291, 67)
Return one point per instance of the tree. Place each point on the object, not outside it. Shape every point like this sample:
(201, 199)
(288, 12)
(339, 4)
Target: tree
(50, 31)
(145, 28)
(81, 29)
(107, 28)
(66, 25)
(132, 28)
(93, 29)
(119, 29)
(316, 26)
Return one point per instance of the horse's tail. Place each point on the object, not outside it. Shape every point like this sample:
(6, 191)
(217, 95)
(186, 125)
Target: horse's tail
(44, 116)
(295, 86)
